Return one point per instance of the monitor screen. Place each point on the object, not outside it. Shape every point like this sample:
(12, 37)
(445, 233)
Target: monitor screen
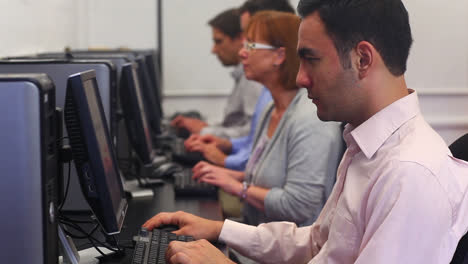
(93, 152)
(135, 114)
(152, 103)
(154, 70)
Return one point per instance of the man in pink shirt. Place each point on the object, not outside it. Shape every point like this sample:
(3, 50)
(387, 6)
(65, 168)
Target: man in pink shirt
(400, 196)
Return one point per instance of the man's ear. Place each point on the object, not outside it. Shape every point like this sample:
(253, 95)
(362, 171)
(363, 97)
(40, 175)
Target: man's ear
(280, 56)
(364, 60)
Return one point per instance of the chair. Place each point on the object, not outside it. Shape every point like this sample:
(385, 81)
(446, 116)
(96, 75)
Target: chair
(459, 149)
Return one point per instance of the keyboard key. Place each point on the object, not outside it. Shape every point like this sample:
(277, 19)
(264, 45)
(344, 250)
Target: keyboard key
(154, 248)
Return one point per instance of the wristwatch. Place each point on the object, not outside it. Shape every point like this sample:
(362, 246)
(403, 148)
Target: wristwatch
(245, 186)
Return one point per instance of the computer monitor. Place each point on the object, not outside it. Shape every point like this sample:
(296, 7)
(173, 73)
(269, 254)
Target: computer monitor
(135, 114)
(93, 152)
(154, 70)
(28, 168)
(152, 103)
(59, 70)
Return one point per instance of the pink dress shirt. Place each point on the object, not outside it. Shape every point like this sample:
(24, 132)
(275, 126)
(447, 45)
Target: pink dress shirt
(400, 197)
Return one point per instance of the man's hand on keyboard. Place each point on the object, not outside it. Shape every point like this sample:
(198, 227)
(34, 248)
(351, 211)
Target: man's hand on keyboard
(199, 228)
(196, 252)
(211, 153)
(191, 124)
(193, 139)
(222, 144)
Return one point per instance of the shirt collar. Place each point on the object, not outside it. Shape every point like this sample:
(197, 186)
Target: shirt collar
(237, 72)
(372, 134)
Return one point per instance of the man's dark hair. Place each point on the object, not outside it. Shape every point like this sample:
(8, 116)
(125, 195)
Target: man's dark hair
(253, 6)
(227, 22)
(383, 23)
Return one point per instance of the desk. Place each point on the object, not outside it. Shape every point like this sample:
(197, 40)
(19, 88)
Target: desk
(164, 200)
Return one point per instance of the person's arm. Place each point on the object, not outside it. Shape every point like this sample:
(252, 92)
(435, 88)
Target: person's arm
(409, 218)
(238, 143)
(191, 124)
(210, 152)
(199, 228)
(222, 144)
(276, 242)
(196, 252)
(242, 102)
(202, 168)
(238, 161)
(233, 131)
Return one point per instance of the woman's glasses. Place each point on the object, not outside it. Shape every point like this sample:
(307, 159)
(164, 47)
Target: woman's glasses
(249, 46)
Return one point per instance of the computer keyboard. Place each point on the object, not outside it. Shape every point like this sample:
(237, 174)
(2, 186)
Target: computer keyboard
(151, 246)
(184, 185)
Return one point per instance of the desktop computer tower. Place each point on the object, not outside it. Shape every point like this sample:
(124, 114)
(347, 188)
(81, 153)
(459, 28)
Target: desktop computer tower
(28, 169)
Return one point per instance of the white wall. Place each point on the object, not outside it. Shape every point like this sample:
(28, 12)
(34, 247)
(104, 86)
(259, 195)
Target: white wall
(120, 23)
(438, 63)
(29, 26)
(194, 79)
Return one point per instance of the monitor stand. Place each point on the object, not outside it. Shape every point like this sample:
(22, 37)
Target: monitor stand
(145, 172)
(72, 256)
(135, 190)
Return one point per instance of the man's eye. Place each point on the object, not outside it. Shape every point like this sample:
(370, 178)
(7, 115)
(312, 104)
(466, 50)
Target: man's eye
(311, 59)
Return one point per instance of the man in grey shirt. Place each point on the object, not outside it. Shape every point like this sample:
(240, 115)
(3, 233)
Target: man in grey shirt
(228, 40)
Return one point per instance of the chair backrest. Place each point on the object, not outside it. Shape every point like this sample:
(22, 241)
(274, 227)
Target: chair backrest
(459, 149)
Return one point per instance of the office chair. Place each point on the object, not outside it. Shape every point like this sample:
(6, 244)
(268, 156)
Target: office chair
(459, 149)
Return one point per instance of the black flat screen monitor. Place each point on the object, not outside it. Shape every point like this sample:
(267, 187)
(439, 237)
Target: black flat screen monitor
(152, 103)
(93, 153)
(135, 114)
(155, 74)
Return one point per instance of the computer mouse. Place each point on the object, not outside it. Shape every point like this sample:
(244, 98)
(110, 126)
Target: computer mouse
(166, 170)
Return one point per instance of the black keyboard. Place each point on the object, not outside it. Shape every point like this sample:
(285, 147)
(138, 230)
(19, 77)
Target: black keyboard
(184, 185)
(180, 154)
(151, 246)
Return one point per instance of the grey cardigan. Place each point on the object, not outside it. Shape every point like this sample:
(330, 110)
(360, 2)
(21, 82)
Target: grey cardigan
(298, 164)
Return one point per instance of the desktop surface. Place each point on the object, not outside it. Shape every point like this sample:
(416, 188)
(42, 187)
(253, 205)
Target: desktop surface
(164, 200)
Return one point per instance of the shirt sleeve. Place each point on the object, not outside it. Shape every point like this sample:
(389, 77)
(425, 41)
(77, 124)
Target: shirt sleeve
(407, 217)
(238, 161)
(276, 242)
(233, 131)
(239, 143)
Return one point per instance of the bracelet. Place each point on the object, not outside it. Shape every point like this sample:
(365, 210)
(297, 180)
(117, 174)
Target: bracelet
(245, 186)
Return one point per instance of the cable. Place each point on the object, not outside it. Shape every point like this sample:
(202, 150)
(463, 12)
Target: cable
(75, 220)
(89, 236)
(66, 188)
(60, 147)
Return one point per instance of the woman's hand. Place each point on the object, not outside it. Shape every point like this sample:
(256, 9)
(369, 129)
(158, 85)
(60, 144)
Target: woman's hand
(217, 176)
